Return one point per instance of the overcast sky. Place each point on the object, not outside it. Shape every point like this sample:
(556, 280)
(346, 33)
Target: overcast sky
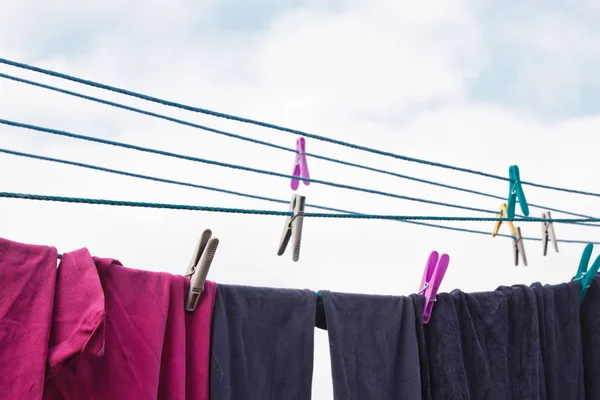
(466, 83)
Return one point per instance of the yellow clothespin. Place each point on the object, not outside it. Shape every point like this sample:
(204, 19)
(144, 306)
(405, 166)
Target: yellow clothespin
(504, 214)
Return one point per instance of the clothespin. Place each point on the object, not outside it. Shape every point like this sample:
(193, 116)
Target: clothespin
(435, 269)
(518, 248)
(516, 193)
(293, 227)
(300, 165)
(503, 213)
(548, 232)
(583, 274)
(199, 267)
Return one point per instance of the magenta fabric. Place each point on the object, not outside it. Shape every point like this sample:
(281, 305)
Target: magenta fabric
(27, 281)
(122, 333)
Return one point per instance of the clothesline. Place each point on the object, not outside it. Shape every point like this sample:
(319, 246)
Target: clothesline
(272, 145)
(80, 200)
(265, 172)
(306, 179)
(140, 176)
(516, 235)
(238, 167)
(276, 127)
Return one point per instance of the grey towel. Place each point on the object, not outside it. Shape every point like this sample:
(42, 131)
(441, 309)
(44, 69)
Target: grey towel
(373, 347)
(590, 332)
(262, 344)
(560, 334)
(485, 346)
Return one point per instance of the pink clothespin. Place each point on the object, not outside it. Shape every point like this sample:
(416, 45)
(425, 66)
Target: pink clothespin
(300, 165)
(432, 278)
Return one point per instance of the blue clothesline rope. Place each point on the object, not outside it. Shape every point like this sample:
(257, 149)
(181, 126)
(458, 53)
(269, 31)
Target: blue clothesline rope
(233, 166)
(272, 145)
(239, 167)
(140, 176)
(170, 181)
(228, 210)
(277, 127)
(245, 138)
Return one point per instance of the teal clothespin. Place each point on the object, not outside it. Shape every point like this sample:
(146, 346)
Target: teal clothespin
(516, 192)
(583, 274)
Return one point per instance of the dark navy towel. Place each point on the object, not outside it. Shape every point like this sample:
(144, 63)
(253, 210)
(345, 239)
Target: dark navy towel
(485, 346)
(560, 335)
(262, 344)
(373, 347)
(590, 333)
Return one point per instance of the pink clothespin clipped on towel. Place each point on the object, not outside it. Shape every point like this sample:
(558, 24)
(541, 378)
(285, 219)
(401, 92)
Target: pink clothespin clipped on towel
(300, 165)
(432, 278)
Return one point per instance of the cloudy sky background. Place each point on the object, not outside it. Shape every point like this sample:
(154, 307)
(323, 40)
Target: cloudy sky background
(477, 84)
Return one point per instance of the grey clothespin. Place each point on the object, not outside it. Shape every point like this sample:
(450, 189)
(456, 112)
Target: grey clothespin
(548, 233)
(293, 227)
(199, 266)
(518, 247)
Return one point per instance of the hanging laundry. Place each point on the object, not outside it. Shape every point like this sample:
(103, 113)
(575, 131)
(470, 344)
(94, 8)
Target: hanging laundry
(93, 329)
(560, 340)
(485, 346)
(135, 343)
(590, 334)
(373, 346)
(27, 283)
(262, 343)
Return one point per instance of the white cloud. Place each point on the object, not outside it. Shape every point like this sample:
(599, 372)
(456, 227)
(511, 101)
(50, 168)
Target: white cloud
(397, 76)
(543, 57)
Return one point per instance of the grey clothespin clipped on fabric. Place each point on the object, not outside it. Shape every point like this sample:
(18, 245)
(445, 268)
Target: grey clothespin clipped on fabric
(199, 267)
(293, 227)
(548, 233)
(518, 247)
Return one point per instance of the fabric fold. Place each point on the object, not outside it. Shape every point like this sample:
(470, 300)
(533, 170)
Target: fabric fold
(485, 345)
(78, 318)
(561, 340)
(419, 303)
(262, 343)
(373, 346)
(590, 333)
(186, 347)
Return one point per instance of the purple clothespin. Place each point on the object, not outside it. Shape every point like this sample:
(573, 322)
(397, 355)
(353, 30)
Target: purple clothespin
(432, 278)
(300, 165)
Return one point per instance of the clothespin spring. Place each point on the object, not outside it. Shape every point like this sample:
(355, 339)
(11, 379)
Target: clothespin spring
(425, 286)
(579, 278)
